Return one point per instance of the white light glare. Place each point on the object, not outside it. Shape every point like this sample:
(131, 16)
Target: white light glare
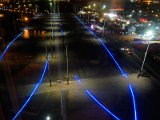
(104, 6)
(149, 33)
(48, 118)
(111, 15)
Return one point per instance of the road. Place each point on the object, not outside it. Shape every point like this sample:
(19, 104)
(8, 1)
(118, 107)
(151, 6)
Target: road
(23, 64)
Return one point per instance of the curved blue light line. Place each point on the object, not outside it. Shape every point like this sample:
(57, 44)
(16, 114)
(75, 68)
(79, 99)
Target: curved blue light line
(32, 93)
(117, 64)
(96, 100)
(134, 101)
(78, 79)
(9, 45)
(105, 47)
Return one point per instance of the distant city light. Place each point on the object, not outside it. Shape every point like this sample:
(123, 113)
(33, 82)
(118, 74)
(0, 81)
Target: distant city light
(48, 118)
(50, 4)
(92, 27)
(104, 6)
(128, 22)
(26, 19)
(149, 33)
(1, 4)
(1, 15)
(111, 15)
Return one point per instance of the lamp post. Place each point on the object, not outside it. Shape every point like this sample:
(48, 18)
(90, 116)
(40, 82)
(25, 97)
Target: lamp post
(89, 6)
(67, 76)
(94, 5)
(149, 34)
(94, 19)
(103, 27)
(49, 73)
(88, 18)
(104, 6)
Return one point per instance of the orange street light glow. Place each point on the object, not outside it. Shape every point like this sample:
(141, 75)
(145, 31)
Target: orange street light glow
(26, 19)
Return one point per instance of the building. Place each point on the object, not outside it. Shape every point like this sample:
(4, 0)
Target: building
(5, 0)
(146, 1)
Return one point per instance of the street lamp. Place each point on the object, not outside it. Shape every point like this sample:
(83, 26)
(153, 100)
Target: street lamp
(88, 17)
(1, 4)
(103, 27)
(89, 6)
(49, 73)
(26, 19)
(67, 76)
(104, 6)
(94, 19)
(48, 118)
(94, 5)
(149, 35)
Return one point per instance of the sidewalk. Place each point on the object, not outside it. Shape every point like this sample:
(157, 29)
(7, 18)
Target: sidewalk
(110, 83)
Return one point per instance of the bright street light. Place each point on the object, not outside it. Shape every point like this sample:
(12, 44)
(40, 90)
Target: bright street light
(104, 6)
(94, 5)
(1, 4)
(48, 118)
(26, 19)
(148, 34)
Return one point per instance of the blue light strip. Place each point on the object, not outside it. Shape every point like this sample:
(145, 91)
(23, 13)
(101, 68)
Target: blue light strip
(108, 111)
(32, 93)
(9, 45)
(96, 100)
(105, 47)
(117, 64)
(134, 101)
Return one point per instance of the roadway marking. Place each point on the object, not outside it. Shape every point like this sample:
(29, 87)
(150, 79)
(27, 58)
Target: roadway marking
(117, 64)
(32, 93)
(9, 45)
(95, 99)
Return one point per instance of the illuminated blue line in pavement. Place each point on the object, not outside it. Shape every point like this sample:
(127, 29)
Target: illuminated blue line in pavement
(134, 102)
(9, 45)
(96, 100)
(121, 70)
(105, 47)
(108, 111)
(32, 93)
(78, 79)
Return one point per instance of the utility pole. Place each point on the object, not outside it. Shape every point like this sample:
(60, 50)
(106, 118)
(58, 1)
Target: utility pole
(103, 28)
(94, 19)
(48, 68)
(88, 19)
(145, 55)
(67, 77)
